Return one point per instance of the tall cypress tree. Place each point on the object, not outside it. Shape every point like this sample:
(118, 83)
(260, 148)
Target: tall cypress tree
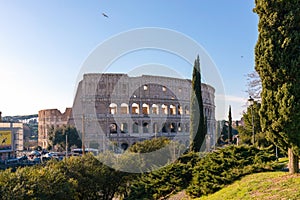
(197, 126)
(277, 61)
(229, 126)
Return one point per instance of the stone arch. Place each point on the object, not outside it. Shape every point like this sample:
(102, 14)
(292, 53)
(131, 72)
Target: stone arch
(164, 109)
(179, 110)
(155, 109)
(135, 127)
(186, 110)
(145, 109)
(179, 127)
(187, 127)
(124, 128)
(172, 110)
(113, 128)
(173, 127)
(124, 146)
(135, 109)
(113, 108)
(124, 108)
(145, 127)
(164, 128)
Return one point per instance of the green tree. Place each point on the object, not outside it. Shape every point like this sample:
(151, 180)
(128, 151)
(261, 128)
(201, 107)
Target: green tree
(229, 126)
(151, 154)
(246, 131)
(57, 136)
(197, 126)
(277, 59)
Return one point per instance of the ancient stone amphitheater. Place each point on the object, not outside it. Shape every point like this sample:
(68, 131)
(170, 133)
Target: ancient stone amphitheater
(122, 109)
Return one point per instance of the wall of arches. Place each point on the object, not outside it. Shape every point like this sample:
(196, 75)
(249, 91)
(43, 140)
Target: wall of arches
(129, 108)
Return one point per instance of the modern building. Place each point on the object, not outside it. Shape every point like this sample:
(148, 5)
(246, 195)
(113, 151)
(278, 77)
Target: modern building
(11, 139)
(122, 109)
(51, 118)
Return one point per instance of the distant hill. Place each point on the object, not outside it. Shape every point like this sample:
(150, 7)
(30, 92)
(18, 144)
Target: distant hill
(21, 118)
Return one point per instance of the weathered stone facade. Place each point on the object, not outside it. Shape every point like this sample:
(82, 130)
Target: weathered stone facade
(123, 109)
(48, 118)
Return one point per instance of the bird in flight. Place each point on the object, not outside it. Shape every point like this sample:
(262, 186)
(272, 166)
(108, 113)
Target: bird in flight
(104, 15)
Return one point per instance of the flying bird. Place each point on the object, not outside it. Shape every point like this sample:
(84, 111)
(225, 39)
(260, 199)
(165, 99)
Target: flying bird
(105, 15)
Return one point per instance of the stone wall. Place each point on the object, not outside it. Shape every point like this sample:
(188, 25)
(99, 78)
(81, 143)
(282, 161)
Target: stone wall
(121, 109)
(48, 118)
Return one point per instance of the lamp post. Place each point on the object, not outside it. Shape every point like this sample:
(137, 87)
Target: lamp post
(66, 144)
(251, 102)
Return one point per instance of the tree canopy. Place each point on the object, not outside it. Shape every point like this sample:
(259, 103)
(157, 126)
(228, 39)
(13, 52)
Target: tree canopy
(197, 121)
(277, 59)
(57, 137)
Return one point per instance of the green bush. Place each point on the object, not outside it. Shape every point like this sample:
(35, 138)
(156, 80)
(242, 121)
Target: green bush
(165, 181)
(73, 178)
(226, 165)
(204, 174)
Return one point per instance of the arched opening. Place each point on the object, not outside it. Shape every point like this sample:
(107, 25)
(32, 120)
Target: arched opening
(124, 146)
(124, 108)
(113, 128)
(173, 127)
(155, 109)
(164, 128)
(135, 109)
(135, 127)
(145, 127)
(124, 128)
(113, 108)
(179, 128)
(186, 110)
(187, 128)
(179, 110)
(164, 109)
(145, 109)
(172, 110)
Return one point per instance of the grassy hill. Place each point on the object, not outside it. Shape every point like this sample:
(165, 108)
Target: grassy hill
(267, 185)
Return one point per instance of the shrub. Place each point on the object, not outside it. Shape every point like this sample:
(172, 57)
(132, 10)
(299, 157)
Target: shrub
(226, 165)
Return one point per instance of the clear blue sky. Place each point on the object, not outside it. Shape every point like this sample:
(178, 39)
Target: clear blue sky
(44, 43)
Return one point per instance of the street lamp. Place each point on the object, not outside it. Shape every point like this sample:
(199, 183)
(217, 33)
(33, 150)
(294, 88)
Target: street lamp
(251, 102)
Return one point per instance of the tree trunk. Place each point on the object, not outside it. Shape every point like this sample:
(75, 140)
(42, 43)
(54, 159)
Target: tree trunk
(293, 162)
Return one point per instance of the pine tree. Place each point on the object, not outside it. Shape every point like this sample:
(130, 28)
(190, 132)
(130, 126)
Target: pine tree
(277, 60)
(197, 126)
(229, 126)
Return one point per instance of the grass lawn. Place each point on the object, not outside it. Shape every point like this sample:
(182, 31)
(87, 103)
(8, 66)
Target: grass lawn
(267, 185)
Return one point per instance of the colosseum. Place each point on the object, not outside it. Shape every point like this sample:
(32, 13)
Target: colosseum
(122, 109)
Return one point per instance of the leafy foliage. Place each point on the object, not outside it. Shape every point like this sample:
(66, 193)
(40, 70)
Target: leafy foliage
(57, 136)
(197, 121)
(204, 174)
(146, 155)
(148, 146)
(225, 165)
(277, 62)
(168, 180)
(246, 131)
(229, 125)
(73, 178)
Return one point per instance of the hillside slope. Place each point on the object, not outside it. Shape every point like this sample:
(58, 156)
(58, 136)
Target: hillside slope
(267, 185)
